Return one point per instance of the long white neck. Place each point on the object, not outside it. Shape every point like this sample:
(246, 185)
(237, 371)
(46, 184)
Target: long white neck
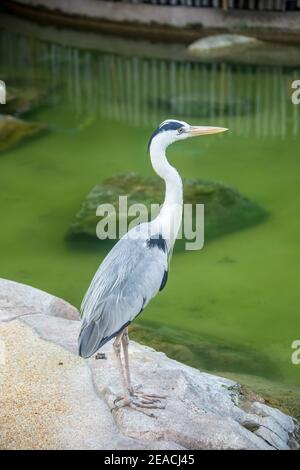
(170, 215)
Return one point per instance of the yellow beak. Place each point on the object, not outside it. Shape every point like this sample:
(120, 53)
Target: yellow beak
(205, 130)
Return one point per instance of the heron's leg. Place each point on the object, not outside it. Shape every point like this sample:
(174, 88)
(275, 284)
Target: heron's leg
(127, 400)
(117, 350)
(125, 342)
(133, 399)
(145, 398)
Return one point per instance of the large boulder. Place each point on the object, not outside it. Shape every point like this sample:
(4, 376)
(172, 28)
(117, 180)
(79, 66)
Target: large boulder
(226, 209)
(54, 399)
(18, 300)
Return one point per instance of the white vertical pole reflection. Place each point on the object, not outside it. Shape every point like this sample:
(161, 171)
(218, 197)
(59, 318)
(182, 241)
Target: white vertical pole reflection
(115, 88)
(144, 94)
(274, 111)
(250, 100)
(69, 75)
(154, 88)
(121, 89)
(99, 86)
(136, 91)
(258, 99)
(296, 76)
(266, 105)
(213, 92)
(89, 99)
(105, 91)
(247, 105)
(129, 90)
(173, 84)
(283, 102)
(108, 87)
(222, 90)
(77, 82)
(164, 91)
(53, 68)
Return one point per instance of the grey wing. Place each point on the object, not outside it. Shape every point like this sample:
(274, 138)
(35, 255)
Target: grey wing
(130, 275)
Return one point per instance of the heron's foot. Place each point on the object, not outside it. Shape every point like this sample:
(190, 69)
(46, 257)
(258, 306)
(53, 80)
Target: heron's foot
(139, 394)
(141, 403)
(147, 400)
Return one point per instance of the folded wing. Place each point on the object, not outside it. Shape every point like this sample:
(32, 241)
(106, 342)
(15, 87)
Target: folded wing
(130, 275)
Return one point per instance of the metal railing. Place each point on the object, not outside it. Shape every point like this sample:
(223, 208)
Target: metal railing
(258, 5)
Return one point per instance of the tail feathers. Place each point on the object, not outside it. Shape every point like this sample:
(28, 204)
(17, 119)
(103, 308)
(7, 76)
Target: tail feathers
(90, 339)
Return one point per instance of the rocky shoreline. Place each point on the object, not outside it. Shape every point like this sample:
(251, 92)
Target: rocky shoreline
(54, 399)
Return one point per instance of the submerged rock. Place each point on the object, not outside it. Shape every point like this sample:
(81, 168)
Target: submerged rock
(232, 106)
(22, 97)
(221, 45)
(226, 209)
(206, 351)
(241, 49)
(56, 400)
(14, 130)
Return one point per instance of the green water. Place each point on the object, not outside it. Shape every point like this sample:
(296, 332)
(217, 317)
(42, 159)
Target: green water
(241, 291)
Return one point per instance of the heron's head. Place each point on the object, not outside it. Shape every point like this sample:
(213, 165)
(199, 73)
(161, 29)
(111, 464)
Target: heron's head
(172, 130)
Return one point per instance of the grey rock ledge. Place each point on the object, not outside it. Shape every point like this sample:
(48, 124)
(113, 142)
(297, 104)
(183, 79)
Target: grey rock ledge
(203, 411)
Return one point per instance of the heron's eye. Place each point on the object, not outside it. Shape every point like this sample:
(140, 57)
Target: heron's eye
(181, 130)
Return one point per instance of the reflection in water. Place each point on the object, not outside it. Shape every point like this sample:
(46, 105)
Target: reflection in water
(143, 91)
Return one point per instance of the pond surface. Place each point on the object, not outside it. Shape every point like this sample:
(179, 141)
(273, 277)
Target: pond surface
(240, 293)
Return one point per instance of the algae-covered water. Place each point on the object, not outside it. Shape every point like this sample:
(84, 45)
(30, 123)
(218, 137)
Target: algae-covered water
(234, 305)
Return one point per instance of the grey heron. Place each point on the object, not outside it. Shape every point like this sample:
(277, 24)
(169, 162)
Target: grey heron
(136, 268)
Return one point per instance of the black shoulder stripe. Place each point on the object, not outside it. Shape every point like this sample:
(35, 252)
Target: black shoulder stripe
(164, 280)
(142, 307)
(157, 241)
